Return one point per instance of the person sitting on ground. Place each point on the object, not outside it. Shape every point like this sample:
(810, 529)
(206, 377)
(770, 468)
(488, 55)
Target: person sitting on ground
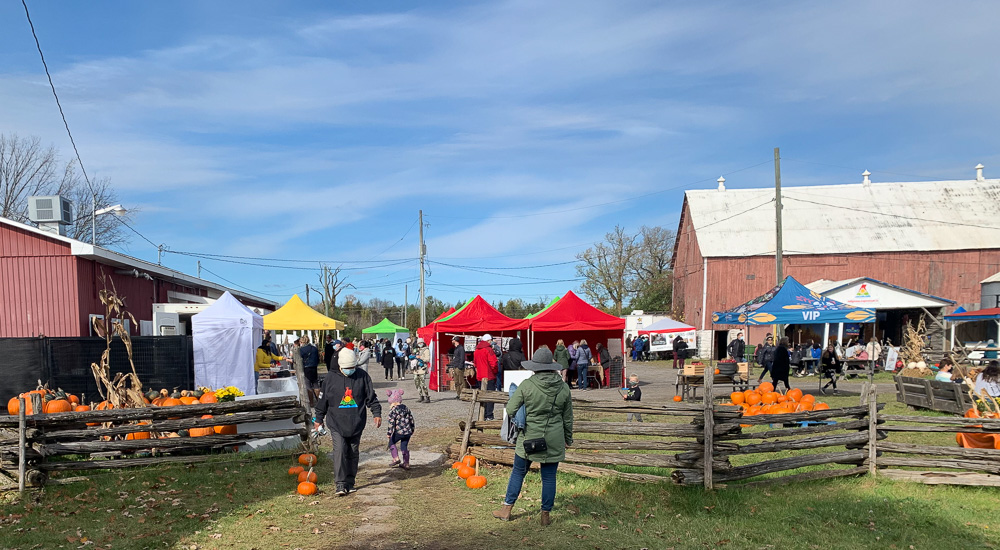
(633, 393)
(988, 381)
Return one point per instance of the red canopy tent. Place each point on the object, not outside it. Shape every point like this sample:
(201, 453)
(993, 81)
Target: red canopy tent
(573, 319)
(475, 318)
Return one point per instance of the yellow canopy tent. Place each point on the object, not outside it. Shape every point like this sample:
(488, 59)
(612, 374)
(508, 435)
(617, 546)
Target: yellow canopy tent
(296, 315)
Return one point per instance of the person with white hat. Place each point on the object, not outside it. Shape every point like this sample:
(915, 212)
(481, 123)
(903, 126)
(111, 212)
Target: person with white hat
(486, 363)
(423, 356)
(346, 393)
(548, 430)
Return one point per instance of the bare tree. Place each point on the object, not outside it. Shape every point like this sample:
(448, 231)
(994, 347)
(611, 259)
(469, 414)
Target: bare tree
(26, 169)
(29, 169)
(332, 283)
(610, 277)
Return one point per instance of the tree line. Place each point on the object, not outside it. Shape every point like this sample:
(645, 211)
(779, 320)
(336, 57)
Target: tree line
(629, 270)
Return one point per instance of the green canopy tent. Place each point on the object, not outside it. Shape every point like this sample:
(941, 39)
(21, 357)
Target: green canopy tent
(386, 327)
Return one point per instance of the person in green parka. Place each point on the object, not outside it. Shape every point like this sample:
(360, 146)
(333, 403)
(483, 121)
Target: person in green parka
(562, 357)
(549, 416)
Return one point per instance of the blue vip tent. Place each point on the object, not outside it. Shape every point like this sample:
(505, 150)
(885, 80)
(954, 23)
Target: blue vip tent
(792, 303)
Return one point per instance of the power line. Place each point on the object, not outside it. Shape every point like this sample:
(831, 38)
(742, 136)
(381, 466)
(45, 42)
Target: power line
(52, 86)
(272, 266)
(519, 284)
(492, 273)
(515, 267)
(134, 230)
(211, 256)
(241, 286)
(395, 243)
(870, 212)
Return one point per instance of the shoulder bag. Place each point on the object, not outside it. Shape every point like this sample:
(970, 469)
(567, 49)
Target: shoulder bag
(538, 445)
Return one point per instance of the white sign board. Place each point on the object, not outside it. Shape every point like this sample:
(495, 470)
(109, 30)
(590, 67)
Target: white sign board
(664, 341)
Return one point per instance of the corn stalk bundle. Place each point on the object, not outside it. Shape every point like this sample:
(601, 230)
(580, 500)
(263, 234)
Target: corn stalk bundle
(124, 390)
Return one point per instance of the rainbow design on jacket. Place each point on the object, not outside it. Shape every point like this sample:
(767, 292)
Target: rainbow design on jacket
(348, 401)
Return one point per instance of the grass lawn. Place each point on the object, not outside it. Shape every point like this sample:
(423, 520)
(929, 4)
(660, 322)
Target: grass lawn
(244, 504)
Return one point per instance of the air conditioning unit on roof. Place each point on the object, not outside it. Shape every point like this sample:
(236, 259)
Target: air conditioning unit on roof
(50, 209)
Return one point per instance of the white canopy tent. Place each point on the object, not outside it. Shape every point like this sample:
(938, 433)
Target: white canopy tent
(225, 338)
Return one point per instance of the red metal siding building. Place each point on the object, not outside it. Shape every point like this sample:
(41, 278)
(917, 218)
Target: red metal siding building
(49, 284)
(913, 235)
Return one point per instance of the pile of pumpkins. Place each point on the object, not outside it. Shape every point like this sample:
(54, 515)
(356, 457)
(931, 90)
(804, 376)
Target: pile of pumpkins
(306, 478)
(468, 469)
(52, 402)
(764, 400)
(59, 401)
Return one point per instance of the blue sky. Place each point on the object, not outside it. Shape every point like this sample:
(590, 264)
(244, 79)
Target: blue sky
(317, 130)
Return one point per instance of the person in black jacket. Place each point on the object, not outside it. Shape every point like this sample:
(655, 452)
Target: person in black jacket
(604, 358)
(781, 365)
(346, 393)
(680, 351)
(456, 367)
(510, 360)
(765, 356)
(736, 348)
(388, 362)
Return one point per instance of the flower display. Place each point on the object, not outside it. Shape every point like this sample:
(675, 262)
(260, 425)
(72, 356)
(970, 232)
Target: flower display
(228, 393)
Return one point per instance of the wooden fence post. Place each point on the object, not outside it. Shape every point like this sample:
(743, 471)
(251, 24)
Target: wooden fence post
(709, 454)
(22, 460)
(305, 399)
(872, 431)
(468, 424)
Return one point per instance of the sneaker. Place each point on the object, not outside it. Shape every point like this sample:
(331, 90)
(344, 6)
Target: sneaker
(395, 464)
(341, 491)
(405, 466)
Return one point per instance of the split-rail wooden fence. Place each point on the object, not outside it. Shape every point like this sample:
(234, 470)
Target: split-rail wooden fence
(38, 444)
(811, 445)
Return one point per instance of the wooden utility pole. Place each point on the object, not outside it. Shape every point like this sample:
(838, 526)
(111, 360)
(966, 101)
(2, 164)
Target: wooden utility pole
(778, 329)
(423, 292)
(307, 294)
(406, 302)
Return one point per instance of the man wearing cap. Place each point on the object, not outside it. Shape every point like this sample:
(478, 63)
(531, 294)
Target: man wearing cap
(346, 393)
(310, 365)
(423, 355)
(548, 430)
(456, 367)
(486, 363)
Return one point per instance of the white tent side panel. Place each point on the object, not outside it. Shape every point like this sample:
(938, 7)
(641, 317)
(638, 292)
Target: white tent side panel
(225, 338)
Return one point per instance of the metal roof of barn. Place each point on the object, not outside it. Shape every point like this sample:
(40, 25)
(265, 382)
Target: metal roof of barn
(117, 259)
(849, 218)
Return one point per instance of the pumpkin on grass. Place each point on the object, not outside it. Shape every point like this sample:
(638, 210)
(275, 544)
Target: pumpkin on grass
(307, 488)
(678, 398)
(307, 459)
(457, 464)
(475, 481)
(469, 461)
(308, 476)
(296, 470)
(464, 472)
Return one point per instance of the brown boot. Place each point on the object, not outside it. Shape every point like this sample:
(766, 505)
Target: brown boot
(545, 519)
(503, 513)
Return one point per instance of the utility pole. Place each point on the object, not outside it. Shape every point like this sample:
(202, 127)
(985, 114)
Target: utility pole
(159, 255)
(423, 254)
(199, 269)
(406, 302)
(307, 294)
(777, 221)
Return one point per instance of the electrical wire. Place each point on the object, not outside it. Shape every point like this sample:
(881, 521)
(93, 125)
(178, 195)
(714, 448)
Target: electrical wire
(52, 86)
(272, 266)
(314, 261)
(492, 273)
(888, 214)
(397, 242)
(203, 268)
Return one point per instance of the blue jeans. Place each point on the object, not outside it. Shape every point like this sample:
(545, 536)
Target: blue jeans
(521, 466)
(581, 376)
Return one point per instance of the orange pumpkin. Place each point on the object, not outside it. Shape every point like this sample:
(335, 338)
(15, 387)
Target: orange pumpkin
(737, 397)
(13, 406)
(766, 387)
(308, 476)
(307, 459)
(57, 406)
(794, 394)
(172, 401)
(81, 408)
(972, 413)
(188, 400)
(821, 407)
(307, 488)
(717, 371)
(296, 470)
(226, 429)
(457, 464)
(73, 399)
(678, 398)
(808, 398)
(475, 482)
(139, 435)
(105, 406)
(469, 461)
(208, 397)
(464, 472)
(753, 399)
(202, 432)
